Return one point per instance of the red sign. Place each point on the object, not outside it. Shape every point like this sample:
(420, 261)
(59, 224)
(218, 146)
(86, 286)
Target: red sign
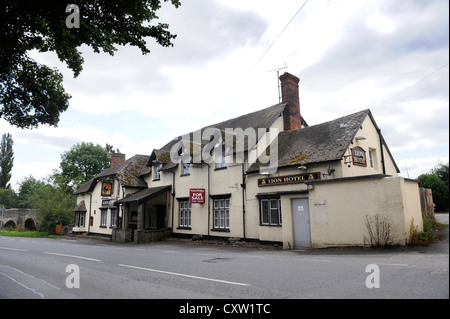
(197, 195)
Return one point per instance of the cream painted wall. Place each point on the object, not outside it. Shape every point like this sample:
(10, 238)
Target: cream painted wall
(372, 142)
(389, 197)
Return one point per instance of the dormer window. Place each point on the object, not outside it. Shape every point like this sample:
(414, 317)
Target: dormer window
(158, 167)
(185, 168)
(220, 158)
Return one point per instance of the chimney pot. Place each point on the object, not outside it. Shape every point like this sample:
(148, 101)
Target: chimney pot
(292, 119)
(117, 159)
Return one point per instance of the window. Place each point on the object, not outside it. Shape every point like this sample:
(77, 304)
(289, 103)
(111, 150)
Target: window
(103, 217)
(221, 158)
(185, 169)
(271, 212)
(113, 217)
(221, 214)
(158, 171)
(373, 158)
(79, 219)
(185, 213)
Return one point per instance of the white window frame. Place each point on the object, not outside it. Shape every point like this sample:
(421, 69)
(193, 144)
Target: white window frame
(185, 168)
(158, 171)
(80, 219)
(103, 217)
(221, 213)
(270, 212)
(371, 158)
(184, 212)
(221, 161)
(113, 217)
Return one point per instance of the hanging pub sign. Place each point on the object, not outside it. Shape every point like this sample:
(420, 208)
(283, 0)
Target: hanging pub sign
(359, 156)
(197, 195)
(106, 189)
(288, 179)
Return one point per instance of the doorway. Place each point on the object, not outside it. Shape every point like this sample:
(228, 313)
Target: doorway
(300, 220)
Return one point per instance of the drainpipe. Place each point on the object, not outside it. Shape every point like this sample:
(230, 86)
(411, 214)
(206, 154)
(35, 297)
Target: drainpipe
(243, 185)
(173, 196)
(90, 206)
(382, 153)
(209, 198)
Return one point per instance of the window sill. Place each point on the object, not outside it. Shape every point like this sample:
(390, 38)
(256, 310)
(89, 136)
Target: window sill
(220, 168)
(223, 230)
(267, 225)
(184, 228)
(185, 174)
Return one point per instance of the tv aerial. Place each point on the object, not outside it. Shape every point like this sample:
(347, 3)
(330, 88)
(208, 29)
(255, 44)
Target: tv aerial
(278, 80)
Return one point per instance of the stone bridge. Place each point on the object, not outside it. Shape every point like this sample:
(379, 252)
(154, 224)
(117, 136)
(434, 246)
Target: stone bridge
(19, 217)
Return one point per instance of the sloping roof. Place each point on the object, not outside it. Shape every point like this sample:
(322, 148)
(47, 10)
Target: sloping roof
(319, 143)
(129, 173)
(81, 207)
(260, 119)
(86, 187)
(144, 194)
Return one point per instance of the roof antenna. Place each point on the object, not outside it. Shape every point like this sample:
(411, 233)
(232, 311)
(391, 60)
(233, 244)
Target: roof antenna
(278, 80)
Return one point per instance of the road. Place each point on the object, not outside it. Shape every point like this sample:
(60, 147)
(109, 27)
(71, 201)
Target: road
(45, 268)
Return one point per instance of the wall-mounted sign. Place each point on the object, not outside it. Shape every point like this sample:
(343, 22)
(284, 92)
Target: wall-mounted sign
(289, 179)
(359, 156)
(106, 189)
(197, 195)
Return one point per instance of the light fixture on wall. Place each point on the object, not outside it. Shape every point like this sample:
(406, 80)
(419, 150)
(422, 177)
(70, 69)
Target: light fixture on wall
(360, 138)
(330, 171)
(303, 168)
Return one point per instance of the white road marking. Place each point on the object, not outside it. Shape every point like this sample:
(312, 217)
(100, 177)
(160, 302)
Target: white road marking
(73, 256)
(185, 275)
(12, 249)
(21, 284)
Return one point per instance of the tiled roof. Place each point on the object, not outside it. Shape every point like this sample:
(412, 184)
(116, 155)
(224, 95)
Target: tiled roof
(319, 143)
(260, 119)
(144, 194)
(129, 174)
(81, 207)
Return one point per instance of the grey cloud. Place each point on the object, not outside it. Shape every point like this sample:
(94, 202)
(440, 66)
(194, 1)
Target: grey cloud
(205, 31)
(363, 53)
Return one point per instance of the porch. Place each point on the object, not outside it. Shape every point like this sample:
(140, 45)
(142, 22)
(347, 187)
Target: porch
(144, 216)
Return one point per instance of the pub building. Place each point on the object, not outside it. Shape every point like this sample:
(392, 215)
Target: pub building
(327, 180)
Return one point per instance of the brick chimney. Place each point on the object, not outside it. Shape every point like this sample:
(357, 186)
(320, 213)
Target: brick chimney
(117, 159)
(289, 93)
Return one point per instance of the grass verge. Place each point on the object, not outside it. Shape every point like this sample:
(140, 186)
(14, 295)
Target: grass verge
(14, 233)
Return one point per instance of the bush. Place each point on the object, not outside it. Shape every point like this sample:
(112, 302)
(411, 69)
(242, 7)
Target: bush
(379, 229)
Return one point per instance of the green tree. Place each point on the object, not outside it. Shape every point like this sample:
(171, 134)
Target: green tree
(438, 188)
(6, 160)
(442, 171)
(8, 198)
(32, 93)
(27, 188)
(81, 163)
(54, 206)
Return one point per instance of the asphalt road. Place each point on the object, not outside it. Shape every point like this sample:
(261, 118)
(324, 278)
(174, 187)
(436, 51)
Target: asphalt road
(43, 268)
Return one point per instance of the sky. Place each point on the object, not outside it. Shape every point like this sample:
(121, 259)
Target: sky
(391, 56)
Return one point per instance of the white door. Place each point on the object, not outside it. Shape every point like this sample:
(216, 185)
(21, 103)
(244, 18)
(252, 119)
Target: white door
(300, 219)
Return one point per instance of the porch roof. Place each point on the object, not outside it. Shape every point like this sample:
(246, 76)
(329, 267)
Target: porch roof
(143, 195)
(81, 207)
